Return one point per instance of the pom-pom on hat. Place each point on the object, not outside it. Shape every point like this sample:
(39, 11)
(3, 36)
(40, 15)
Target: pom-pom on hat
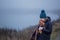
(43, 14)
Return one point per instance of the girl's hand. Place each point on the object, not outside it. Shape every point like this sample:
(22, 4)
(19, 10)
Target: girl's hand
(41, 23)
(41, 28)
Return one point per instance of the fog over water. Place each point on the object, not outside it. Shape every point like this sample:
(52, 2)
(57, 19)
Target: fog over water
(20, 14)
(14, 19)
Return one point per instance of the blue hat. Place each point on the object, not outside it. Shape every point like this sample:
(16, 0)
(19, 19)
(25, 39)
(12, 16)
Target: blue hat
(43, 14)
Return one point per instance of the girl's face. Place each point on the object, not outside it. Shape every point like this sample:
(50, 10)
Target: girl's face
(42, 22)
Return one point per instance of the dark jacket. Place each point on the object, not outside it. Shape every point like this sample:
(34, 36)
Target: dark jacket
(46, 32)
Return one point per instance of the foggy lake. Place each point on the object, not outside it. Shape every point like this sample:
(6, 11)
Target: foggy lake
(20, 19)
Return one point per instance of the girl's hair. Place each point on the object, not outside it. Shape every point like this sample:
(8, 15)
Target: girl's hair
(49, 18)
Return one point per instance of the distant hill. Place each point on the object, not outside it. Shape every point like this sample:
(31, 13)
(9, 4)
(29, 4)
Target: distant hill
(9, 34)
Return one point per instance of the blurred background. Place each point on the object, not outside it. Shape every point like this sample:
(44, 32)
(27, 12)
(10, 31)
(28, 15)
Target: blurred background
(19, 15)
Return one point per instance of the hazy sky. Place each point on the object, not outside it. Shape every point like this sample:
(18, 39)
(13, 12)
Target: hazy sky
(43, 4)
(23, 13)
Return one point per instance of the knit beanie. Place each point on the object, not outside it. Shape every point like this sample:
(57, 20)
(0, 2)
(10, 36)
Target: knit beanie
(43, 14)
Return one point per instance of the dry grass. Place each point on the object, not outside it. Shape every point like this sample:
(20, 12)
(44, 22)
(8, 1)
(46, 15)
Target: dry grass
(26, 33)
(55, 31)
